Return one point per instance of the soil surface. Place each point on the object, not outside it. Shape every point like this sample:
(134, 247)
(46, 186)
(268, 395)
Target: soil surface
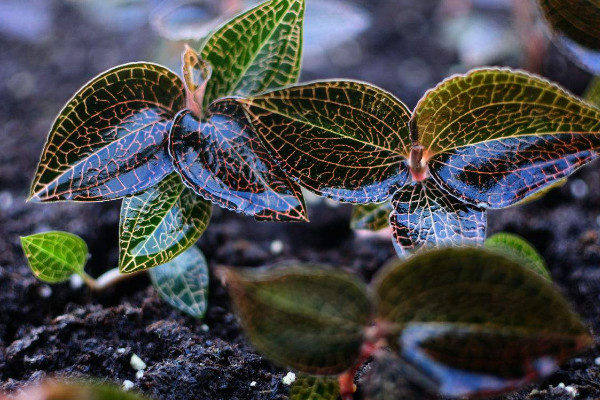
(60, 330)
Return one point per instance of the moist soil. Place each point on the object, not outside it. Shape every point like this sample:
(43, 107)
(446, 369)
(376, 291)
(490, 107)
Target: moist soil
(61, 330)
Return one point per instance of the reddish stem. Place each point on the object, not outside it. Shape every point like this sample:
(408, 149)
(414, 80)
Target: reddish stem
(346, 380)
(418, 167)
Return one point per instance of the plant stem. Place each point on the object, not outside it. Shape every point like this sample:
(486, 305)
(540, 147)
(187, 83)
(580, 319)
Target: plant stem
(107, 279)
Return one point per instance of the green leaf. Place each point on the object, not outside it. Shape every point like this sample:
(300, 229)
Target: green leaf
(495, 136)
(426, 216)
(310, 318)
(342, 139)
(78, 391)
(109, 140)
(183, 282)
(159, 224)
(592, 93)
(256, 51)
(520, 250)
(476, 322)
(373, 217)
(222, 160)
(55, 256)
(309, 387)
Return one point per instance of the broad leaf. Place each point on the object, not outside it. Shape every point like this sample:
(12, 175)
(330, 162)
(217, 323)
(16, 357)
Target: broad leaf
(309, 387)
(426, 216)
(310, 318)
(495, 136)
(109, 140)
(55, 256)
(159, 224)
(373, 217)
(258, 50)
(341, 139)
(575, 27)
(223, 160)
(476, 322)
(513, 246)
(183, 282)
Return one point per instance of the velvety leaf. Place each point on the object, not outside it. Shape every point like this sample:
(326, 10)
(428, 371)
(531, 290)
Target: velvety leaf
(309, 387)
(495, 136)
(256, 51)
(183, 282)
(520, 250)
(77, 391)
(223, 160)
(424, 215)
(341, 139)
(575, 27)
(373, 217)
(309, 318)
(159, 224)
(55, 256)
(475, 321)
(196, 74)
(109, 140)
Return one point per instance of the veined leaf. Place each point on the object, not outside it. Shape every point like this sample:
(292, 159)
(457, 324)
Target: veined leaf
(426, 216)
(309, 387)
(183, 282)
(373, 217)
(159, 224)
(109, 140)
(495, 136)
(575, 27)
(55, 256)
(341, 139)
(475, 321)
(223, 160)
(256, 51)
(513, 246)
(309, 318)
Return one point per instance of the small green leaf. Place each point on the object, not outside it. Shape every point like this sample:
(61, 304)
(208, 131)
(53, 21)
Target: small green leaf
(159, 224)
(183, 282)
(309, 387)
(310, 318)
(373, 217)
(256, 51)
(476, 322)
(342, 139)
(109, 140)
(55, 256)
(592, 93)
(516, 247)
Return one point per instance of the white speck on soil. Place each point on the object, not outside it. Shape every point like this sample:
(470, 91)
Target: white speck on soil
(137, 363)
(76, 281)
(127, 385)
(276, 247)
(289, 378)
(45, 291)
(253, 384)
(121, 350)
(597, 361)
(579, 189)
(139, 374)
(204, 328)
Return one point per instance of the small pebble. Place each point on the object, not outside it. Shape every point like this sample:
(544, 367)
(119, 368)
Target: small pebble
(253, 384)
(45, 291)
(597, 361)
(127, 385)
(121, 350)
(137, 363)
(276, 247)
(561, 385)
(204, 328)
(139, 374)
(572, 391)
(289, 378)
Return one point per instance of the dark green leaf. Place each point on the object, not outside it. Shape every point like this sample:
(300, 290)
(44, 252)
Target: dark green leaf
(159, 224)
(495, 136)
(424, 215)
(309, 387)
(109, 140)
(256, 51)
(183, 282)
(223, 160)
(520, 250)
(575, 27)
(310, 318)
(373, 217)
(475, 321)
(55, 256)
(341, 139)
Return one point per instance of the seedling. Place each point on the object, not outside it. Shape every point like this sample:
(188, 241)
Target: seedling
(169, 145)
(486, 139)
(456, 322)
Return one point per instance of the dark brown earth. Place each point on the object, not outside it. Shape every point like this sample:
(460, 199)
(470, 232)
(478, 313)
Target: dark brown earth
(57, 330)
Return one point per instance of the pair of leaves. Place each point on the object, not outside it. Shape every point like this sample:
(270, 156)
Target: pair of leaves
(487, 139)
(112, 138)
(449, 315)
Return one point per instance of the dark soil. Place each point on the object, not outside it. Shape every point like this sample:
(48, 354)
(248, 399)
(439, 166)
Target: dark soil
(58, 330)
